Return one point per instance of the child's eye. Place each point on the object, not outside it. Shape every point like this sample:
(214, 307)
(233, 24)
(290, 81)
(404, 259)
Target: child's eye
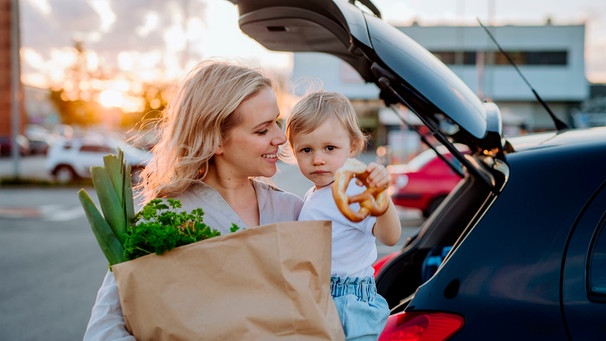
(330, 148)
(305, 150)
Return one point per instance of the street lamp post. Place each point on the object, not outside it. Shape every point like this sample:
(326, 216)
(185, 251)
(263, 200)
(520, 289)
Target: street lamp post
(16, 83)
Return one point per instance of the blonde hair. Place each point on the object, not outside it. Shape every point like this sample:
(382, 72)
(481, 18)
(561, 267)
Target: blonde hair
(318, 107)
(196, 123)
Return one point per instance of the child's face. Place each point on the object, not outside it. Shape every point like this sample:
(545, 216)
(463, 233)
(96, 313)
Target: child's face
(322, 152)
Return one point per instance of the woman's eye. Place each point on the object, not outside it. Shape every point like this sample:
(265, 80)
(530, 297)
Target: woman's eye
(280, 124)
(263, 132)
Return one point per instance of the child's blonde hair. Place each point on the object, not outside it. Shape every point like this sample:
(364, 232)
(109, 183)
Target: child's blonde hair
(196, 123)
(321, 106)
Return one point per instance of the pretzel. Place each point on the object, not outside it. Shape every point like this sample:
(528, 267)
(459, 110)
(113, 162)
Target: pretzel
(373, 201)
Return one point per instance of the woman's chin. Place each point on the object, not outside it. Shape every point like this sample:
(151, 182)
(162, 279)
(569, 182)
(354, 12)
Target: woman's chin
(268, 172)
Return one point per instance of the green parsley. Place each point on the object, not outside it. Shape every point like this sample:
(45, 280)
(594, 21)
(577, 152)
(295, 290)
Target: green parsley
(160, 227)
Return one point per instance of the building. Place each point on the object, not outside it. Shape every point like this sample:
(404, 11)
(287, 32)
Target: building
(548, 60)
(549, 57)
(7, 66)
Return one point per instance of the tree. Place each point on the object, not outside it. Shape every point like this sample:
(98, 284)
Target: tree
(79, 101)
(75, 112)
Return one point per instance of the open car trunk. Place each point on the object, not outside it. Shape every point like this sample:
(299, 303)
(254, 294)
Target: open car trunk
(407, 75)
(438, 235)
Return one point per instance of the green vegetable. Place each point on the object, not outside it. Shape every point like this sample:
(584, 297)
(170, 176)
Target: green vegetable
(109, 243)
(157, 228)
(160, 227)
(114, 191)
(111, 205)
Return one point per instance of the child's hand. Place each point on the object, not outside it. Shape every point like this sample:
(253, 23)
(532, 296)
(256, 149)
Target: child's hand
(378, 176)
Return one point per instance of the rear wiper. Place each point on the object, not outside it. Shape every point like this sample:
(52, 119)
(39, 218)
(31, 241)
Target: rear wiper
(560, 125)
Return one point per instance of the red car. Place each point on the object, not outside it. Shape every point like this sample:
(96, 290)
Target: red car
(423, 182)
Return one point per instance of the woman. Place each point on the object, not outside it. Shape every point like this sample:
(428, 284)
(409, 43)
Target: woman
(220, 132)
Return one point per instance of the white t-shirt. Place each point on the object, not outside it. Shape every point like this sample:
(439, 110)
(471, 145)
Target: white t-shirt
(354, 249)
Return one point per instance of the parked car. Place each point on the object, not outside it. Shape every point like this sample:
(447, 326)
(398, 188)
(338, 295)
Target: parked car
(517, 250)
(424, 181)
(38, 146)
(71, 159)
(39, 139)
(6, 145)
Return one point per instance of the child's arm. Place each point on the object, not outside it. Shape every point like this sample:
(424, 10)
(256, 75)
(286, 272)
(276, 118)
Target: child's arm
(388, 227)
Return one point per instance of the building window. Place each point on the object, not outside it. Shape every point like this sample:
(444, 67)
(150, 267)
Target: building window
(456, 57)
(547, 58)
(497, 58)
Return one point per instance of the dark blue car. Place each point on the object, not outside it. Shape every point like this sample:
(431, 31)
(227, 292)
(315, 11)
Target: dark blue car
(517, 251)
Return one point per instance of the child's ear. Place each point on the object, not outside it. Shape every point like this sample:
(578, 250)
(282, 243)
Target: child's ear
(352, 149)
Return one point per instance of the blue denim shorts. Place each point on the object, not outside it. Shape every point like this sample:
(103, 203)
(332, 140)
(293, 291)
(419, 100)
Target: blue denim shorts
(362, 311)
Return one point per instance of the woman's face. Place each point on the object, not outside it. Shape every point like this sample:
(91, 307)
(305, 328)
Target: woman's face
(251, 147)
(322, 152)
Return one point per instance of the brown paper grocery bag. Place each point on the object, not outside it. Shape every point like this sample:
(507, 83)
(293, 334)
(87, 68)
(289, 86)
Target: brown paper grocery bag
(265, 283)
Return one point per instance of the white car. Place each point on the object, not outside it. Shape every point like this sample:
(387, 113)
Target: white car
(71, 159)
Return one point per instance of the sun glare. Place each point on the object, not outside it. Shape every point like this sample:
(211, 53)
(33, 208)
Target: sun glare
(120, 99)
(111, 98)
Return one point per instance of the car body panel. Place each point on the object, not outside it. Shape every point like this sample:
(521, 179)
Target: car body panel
(581, 307)
(526, 279)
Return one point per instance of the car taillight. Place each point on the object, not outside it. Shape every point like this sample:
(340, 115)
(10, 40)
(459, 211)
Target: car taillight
(421, 326)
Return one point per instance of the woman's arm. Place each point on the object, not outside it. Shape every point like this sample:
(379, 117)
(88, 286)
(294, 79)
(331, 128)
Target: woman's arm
(106, 320)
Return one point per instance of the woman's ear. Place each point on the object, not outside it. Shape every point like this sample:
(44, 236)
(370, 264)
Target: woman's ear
(219, 150)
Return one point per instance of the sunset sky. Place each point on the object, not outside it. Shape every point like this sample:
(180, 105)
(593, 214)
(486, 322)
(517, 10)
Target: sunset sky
(151, 39)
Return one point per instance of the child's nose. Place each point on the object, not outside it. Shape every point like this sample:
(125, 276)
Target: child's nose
(318, 159)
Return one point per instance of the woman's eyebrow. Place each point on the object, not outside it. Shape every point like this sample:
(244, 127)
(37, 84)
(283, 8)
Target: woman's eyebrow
(264, 123)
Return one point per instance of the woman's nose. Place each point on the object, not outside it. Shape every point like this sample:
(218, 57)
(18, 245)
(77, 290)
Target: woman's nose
(279, 138)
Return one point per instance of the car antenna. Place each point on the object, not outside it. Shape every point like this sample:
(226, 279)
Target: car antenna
(560, 125)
